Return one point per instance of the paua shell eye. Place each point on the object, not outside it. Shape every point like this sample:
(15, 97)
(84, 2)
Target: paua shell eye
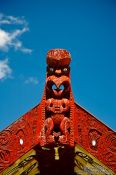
(65, 69)
(51, 69)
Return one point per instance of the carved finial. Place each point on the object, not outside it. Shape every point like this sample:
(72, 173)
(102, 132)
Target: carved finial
(58, 58)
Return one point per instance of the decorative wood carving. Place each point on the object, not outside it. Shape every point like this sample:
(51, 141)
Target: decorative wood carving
(85, 163)
(57, 120)
(61, 159)
(19, 137)
(96, 137)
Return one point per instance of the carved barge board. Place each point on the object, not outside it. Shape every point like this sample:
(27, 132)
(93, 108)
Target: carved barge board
(19, 138)
(87, 126)
(95, 137)
(84, 164)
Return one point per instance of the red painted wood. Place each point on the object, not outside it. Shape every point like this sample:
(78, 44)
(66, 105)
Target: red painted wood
(57, 120)
(91, 129)
(25, 128)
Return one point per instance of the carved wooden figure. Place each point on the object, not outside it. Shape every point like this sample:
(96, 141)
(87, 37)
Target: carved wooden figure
(58, 122)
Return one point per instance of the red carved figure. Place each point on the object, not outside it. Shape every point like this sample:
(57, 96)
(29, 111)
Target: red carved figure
(57, 125)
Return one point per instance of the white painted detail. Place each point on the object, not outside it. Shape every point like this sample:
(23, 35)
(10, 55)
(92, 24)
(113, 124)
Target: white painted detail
(21, 141)
(93, 142)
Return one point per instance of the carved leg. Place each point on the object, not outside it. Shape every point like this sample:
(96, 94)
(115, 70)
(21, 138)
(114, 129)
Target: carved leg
(49, 125)
(64, 126)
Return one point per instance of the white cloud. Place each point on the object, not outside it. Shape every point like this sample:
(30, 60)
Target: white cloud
(5, 70)
(32, 80)
(11, 39)
(12, 20)
(4, 39)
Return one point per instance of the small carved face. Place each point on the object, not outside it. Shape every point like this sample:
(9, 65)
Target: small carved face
(57, 106)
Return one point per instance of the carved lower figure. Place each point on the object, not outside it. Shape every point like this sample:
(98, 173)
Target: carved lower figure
(57, 129)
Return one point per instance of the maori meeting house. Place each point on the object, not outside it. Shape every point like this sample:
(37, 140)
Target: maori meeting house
(57, 137)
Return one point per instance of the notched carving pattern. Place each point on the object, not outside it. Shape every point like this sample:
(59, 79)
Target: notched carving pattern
(18, 138)
(96, 137)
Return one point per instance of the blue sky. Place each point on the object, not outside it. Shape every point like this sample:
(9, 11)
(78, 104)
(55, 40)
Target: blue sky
(28, 29)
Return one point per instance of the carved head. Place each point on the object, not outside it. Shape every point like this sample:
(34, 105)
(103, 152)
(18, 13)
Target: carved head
(58, 73)
(58, 61)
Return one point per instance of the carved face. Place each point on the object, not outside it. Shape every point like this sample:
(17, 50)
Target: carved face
(58, 71)
(57, 106)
